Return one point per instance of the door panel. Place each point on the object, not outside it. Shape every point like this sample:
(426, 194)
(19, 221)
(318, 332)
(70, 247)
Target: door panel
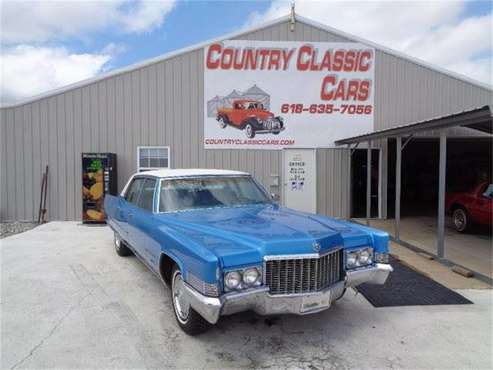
(128, 211)
(144, 224)
(300, 179)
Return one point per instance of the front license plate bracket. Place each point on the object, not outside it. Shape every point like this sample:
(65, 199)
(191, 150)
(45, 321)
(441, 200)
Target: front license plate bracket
(315, 302)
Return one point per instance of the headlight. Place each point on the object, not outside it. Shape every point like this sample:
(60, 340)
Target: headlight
(232, 279)
(359, 257)
(243, 278)
(251, 276)
(365, 257)
(351, 259)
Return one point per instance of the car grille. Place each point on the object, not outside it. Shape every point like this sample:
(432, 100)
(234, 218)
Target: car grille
(302, 274)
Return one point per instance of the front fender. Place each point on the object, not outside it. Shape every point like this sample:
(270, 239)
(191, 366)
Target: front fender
(190, 256)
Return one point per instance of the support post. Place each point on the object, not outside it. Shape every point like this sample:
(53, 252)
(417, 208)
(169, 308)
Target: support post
(368, 183)
(398, 163)
(441, 194)
(350, 193)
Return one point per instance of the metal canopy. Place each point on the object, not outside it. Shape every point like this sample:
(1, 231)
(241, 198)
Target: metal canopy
(480, 119)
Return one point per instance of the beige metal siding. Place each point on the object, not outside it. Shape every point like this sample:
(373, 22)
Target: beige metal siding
(333, 182)
(162, 104)
(407, 92)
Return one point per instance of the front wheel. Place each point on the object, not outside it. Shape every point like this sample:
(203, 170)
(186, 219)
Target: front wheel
(460, 219)
(188, 319)
(250, 131)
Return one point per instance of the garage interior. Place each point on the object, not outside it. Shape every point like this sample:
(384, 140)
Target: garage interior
(469, 162)
(457, 164)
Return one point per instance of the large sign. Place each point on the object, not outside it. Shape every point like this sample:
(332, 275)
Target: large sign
(274, 95)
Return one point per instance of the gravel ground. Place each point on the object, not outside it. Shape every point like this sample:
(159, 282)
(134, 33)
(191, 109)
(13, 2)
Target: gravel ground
(12, 228)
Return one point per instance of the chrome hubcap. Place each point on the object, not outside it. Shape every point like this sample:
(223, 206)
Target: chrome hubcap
(249, 130)
(182, 306)
(459, 219)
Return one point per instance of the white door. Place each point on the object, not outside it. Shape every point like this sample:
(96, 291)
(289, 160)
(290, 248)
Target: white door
(300, 179)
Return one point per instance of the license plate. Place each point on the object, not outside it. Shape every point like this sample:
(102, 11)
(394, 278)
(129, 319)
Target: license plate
(315, 302)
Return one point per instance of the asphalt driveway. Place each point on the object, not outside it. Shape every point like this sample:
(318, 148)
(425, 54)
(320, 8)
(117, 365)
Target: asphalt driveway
(68, 301)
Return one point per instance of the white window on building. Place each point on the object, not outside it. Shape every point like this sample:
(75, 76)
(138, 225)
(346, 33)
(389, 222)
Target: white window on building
(152, 158)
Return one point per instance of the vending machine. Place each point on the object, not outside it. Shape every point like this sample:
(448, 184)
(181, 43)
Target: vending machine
(98, 179)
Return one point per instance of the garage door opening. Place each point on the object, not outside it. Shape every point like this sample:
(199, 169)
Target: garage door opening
(468, 164)
(358, 182)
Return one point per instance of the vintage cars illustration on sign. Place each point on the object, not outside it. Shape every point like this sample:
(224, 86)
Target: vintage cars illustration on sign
(223, 246)
(469, 208)
(251, 116)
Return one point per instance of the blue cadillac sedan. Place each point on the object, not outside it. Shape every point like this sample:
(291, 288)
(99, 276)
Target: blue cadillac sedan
(222, 245)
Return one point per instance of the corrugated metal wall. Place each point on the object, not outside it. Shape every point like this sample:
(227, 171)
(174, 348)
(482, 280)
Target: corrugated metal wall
(162, 104)
(333, 182)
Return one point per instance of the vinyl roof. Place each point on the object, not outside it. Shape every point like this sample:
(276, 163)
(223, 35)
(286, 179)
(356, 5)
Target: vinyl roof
(480, 119)
(238, 34)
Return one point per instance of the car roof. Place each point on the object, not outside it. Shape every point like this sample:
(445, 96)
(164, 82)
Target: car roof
(190, 172)
(182, 172)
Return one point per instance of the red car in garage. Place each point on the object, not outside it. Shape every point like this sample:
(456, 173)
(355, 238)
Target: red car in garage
(469, 208)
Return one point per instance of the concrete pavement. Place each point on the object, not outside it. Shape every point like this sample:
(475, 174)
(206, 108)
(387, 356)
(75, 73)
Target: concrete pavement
(472, 250)
(68, 301)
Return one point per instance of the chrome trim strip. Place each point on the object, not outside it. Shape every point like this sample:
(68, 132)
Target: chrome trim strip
(300, 256)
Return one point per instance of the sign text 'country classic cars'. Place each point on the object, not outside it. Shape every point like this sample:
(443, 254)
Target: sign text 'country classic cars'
(309, 94)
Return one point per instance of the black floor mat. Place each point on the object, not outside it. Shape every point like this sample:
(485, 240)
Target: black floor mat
(406, 287)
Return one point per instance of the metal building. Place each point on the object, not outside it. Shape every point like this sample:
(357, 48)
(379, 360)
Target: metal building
(159, 103)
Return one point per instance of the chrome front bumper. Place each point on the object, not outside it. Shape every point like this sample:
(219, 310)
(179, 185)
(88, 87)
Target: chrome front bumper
(260, 301)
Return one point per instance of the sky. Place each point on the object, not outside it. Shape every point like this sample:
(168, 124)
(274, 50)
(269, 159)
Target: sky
(48, 44)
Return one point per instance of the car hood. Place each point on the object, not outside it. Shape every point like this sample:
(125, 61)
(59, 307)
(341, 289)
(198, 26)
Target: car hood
(247, 234)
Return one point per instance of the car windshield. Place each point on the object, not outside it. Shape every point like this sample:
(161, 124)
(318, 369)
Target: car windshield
(208, 192)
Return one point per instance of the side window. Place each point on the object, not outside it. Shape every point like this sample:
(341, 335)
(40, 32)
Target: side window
(133, 191)
(488, 192)
(147, 195)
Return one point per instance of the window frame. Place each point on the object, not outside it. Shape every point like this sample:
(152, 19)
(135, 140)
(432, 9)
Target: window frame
(130, 187)
(155, 194)
(156, 181)
(143, 169)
